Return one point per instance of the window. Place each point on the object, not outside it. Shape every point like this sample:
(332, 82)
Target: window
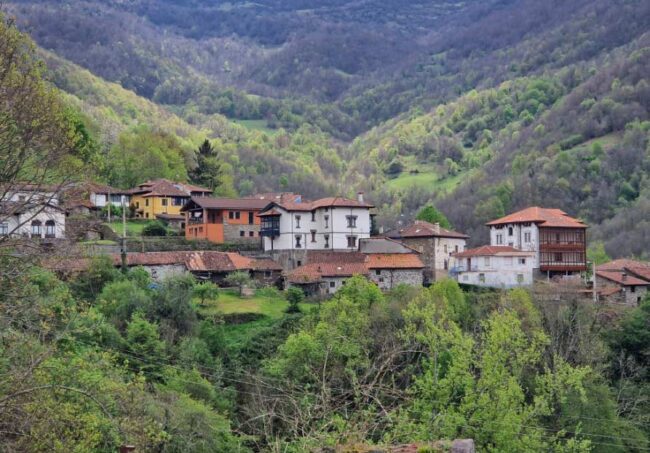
(499, 239)
(36, 228)
(557, 238)
(231, 215)
(299, 263)
(298, 239)
(313, 216)
(146, 202)
(632, 289)
(481, 278)
(377, 271)
(520, 278)
(297, 221)
(146, 215)
(327, 221)
(4, 229)
(445, 248)
(177, 201)
(200, 229)
(527, 237)
(332, 284)
(487, 260)
(558, 257)
(251, 218)
(313, 235)
(137, 204)
(456, 249)
(50, 230)
(352, 242)
(510, 231)
(522, 261)
(251, 233)
(164, 201)
(327, 241)
(242, 234)
(446, 264)
(352, 221)
(237, 215)
(381, 279)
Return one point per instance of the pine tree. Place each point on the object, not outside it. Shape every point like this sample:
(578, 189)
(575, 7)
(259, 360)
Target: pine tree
(208, 167)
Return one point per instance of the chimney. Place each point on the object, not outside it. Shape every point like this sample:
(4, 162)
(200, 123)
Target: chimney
(624, 276)
(436, 227)
(360, 197)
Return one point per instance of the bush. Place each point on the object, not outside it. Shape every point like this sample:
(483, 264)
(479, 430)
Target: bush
(155, 228)
(294, 296)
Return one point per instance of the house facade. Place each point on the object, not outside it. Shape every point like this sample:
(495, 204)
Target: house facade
(623, 281)
(221, 220)
(559, 242)
(435, 244)
(32, 211)
(331, 224)
(162, 196)
(494, 267)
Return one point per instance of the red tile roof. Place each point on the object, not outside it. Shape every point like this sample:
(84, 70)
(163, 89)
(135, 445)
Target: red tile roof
(313, 272)
(330, 202)
(425, 229)
(394, 261)
(623, 263)
(166, 188)
(253, 204)
(543, 216)
(491, 250)
(622, 278)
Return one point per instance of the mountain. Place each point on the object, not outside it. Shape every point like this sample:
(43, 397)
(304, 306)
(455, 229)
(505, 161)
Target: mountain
(479, 107)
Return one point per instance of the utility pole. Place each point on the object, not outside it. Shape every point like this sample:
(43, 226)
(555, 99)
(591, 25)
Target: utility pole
(593, 277)
(123, 251)
(110, 206)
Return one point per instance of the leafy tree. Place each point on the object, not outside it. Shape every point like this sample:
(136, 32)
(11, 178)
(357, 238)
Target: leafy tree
(295, 296)
(239, 279)
(173, 308)
(596, 253)
(155, 228)
(206, 291)
(147, 350)
(208, 171)
(430, 214)
(120, 299)
(89, 284)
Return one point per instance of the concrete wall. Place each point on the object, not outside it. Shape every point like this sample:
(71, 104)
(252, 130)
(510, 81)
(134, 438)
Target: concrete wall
(21, 224)
(518, 238)
(495, 271)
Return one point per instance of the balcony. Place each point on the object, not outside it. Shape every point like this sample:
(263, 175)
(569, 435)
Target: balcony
(196, 220)
(270, 232)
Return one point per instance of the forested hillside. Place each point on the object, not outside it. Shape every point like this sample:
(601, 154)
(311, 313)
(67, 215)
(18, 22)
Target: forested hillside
(479, 107)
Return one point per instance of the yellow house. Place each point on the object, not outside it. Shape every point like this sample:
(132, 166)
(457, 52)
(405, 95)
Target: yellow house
(163, 197)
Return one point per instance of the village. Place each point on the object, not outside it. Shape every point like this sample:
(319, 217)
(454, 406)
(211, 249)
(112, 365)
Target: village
(283, 240)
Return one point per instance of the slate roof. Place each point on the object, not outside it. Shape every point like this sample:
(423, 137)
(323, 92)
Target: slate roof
(426, 229)
(491, 250)
(544, 217)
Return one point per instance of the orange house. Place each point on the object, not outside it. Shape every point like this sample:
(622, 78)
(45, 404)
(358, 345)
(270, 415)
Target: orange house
(221, 220)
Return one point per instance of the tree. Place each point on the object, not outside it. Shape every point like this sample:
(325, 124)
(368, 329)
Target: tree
(208, 171)
(294, 296)
(206, 291)
(155, 228)
(239, 279)
(147, 350)
(430, 214)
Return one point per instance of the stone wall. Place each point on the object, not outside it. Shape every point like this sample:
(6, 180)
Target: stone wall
(387, 279)
(232, 233)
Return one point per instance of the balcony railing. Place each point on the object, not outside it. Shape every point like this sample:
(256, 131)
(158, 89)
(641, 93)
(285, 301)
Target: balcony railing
(196, 220)
(270, 232)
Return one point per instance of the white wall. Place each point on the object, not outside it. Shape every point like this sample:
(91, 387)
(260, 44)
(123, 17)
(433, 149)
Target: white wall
(21, 224)
(330, 222)
(444, 253)
(518, 238)
(496, 271)
(101, 199)
(32, 198)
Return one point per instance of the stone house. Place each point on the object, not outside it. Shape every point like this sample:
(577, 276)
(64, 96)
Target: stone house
(623, 281)
(435, 244)
(388, 270)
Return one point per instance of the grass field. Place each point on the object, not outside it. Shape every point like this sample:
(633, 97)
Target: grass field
(426, 180)
(256, 125)
(133, 227)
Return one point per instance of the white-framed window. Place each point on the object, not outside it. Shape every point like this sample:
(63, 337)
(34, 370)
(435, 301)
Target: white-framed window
(511, 231)
(4, 229)
(50, 229)
(352, 221)
(313, 216)
(327, 241)
(522, 261)
(527, 237)
(327, 221)
(297, 221)
(313, 235)
(486, 260)
(499, 239)
(36, 228)
(352, 242)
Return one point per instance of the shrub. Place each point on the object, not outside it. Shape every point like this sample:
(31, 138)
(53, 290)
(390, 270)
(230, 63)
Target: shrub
(155, 228)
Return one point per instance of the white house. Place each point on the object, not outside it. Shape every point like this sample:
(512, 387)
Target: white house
(557, 240)
(494, 267)
(333, 223)
(31, 211)
(101, 195)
